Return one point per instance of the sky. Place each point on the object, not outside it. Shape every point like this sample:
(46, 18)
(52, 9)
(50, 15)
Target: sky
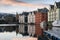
(12, 6)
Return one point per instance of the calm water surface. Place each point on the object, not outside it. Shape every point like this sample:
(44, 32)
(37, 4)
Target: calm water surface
(10, 35)
(6, 35)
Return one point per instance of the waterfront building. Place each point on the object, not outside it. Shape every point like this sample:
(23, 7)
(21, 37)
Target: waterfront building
(41, 15)
(34, 17)
(17, 17)
(51, 15)
(54, 12)
(57, 10)
(21, 18)
(25, 17)
(31, 17)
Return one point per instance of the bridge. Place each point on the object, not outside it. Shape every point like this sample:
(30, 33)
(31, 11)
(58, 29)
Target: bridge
(9, 25)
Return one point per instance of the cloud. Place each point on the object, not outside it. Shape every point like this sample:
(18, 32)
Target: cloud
(21, 3)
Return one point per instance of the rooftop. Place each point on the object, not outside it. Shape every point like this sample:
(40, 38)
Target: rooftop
(44, 10)
(58, 4)
(52, 6)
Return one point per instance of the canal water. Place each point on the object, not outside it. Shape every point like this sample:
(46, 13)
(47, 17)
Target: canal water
(11, 32)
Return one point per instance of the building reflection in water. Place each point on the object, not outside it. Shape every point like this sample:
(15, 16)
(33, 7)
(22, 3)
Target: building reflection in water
(38, 30)
(31, 30)
(25, 29)
(16, 31)
(21, 28)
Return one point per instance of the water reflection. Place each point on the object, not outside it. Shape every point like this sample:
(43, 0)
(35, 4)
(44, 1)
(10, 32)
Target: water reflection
(7, 28)
(9, 35)
(27, 29)
(23, 30)
(31, 30)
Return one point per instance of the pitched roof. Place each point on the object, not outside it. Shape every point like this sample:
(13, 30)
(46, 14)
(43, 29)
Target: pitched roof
(58, 4)
(52, 6)
(44, 10)
(25, 13)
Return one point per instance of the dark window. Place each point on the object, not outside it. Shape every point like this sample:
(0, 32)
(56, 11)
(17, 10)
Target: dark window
(26, 19)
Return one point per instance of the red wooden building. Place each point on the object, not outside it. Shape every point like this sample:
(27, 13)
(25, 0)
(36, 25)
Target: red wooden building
(40, 16)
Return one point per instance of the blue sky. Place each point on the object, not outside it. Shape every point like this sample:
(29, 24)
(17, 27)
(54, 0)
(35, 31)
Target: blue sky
(12, 6)
(40, 1)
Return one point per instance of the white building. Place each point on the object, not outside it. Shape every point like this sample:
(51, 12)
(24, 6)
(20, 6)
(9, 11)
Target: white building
(57, 10)
(21, 18)
(31, 18)
(54, 12)
(51, 13)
